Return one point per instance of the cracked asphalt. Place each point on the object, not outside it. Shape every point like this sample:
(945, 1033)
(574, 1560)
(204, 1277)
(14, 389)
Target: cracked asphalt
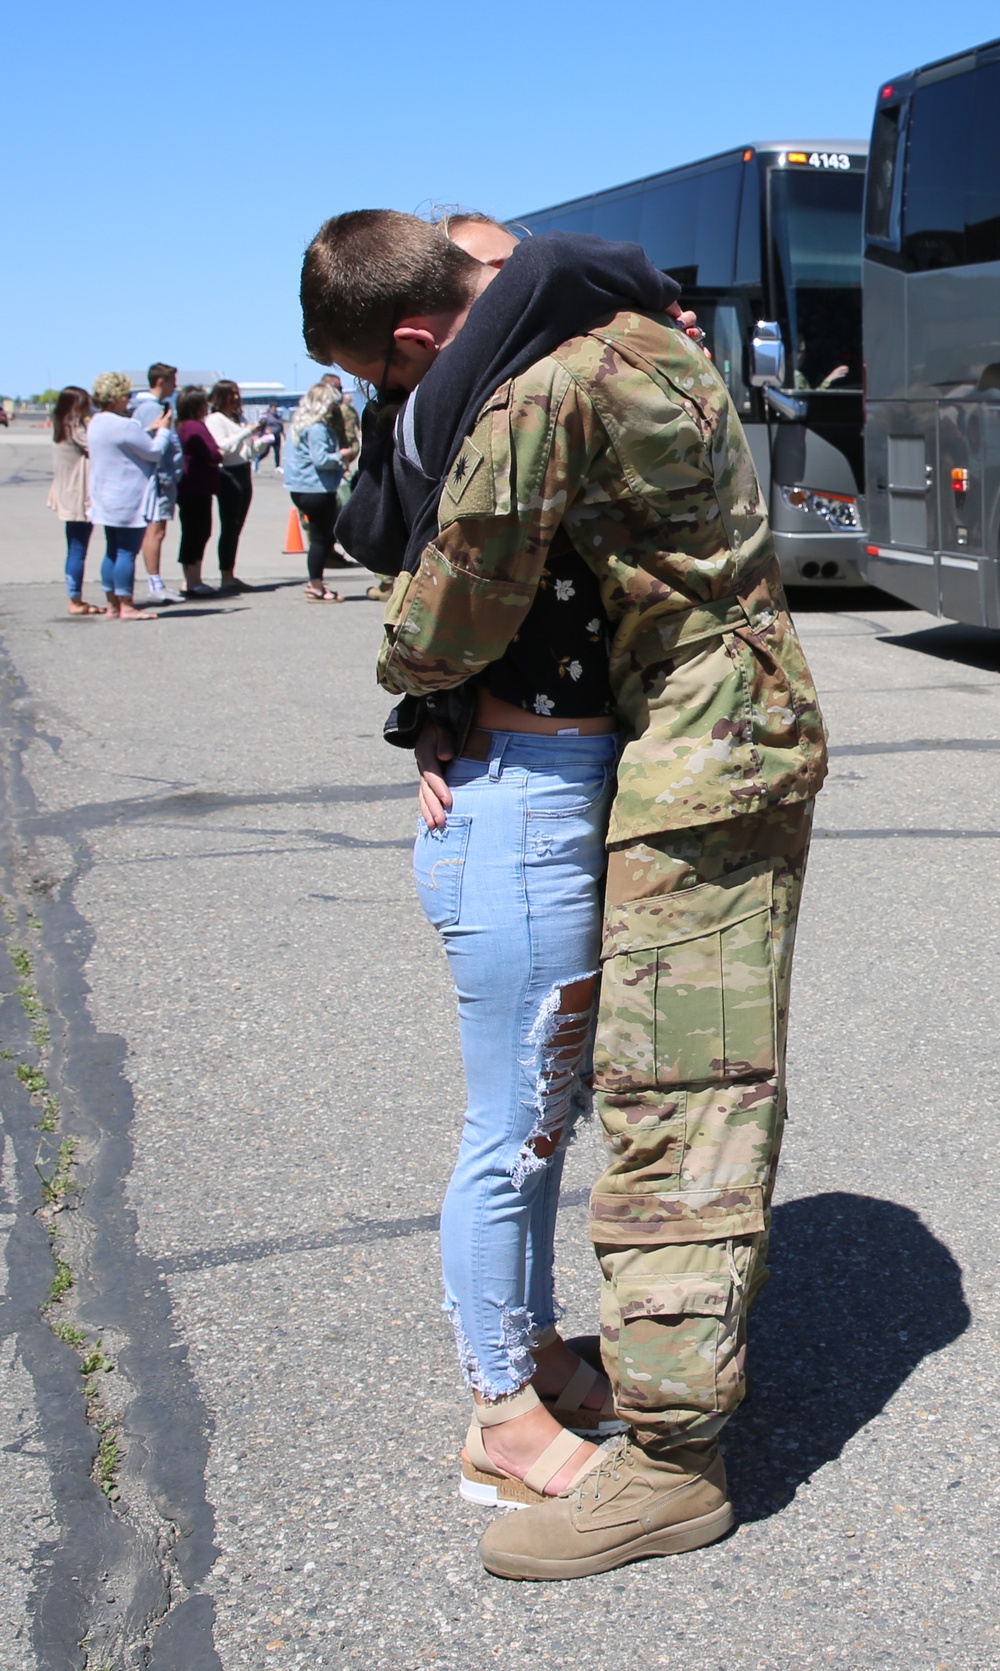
(205, 853)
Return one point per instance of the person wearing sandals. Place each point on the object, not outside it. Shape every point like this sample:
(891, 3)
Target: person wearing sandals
(512, 884)
(240, 443)
(69, 495)
(314, 471)
(199, 485)
(123, 464)
(553, 409)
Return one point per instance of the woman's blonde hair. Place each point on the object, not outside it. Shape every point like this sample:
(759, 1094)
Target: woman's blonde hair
(110, 387)
(315, 407)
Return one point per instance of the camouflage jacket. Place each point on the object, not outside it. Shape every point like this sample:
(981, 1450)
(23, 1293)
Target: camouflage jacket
(624, 443)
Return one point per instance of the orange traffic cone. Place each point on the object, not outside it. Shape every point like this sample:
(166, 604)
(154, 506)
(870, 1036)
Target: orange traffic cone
(293, 535)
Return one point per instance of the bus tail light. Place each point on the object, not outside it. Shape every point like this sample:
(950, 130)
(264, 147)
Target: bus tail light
(960, 481)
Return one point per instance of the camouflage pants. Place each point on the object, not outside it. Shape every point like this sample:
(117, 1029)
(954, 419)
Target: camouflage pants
(699, 932)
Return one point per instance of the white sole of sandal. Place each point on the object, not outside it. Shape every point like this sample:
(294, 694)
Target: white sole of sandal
(486, 1496)
(603, 1430)
(494, 1491)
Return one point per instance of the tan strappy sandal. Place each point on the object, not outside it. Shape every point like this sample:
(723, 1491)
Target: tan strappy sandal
(485, 1483)
(567, 1405)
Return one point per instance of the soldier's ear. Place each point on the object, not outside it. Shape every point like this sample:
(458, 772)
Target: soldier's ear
(420, 336)
(415, 348)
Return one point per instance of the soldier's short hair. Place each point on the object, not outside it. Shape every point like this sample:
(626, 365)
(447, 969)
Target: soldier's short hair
(366, 269)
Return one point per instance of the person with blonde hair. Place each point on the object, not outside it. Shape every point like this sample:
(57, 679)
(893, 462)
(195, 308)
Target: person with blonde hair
(314, 470)
(123, 464)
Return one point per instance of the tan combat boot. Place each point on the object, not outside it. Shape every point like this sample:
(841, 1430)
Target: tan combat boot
(628, 1506)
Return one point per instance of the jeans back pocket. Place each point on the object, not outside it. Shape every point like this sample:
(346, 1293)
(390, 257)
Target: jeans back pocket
(438, 864)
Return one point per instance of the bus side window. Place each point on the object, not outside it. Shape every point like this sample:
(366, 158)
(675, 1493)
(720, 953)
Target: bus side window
(982, 206)
(668, 225)
(881, 209)
(619, 219)
(934, 214)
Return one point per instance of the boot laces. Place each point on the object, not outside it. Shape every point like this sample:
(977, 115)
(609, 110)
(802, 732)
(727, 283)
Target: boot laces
(613, 1456)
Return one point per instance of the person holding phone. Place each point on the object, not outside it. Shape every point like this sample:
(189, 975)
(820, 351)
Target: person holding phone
(146, 410)
(124, 459)
(239, 443)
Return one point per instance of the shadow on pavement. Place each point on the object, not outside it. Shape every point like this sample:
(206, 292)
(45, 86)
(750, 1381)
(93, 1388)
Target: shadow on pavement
(167, 612)
(973, 646)
(861, 1293)
(829, 600)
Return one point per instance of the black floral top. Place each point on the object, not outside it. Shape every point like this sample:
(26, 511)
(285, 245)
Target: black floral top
(558, 663)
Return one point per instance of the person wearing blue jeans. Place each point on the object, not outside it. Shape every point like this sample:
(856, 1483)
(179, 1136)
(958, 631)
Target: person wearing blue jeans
(69, 495)
(124, 459)
(118, 564)
(511, 880)
(77, 540)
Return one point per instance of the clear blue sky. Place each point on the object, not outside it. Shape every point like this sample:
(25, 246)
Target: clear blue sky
(164, 166)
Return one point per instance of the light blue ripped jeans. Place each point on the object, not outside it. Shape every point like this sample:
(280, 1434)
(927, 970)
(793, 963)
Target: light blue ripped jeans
(512, 884)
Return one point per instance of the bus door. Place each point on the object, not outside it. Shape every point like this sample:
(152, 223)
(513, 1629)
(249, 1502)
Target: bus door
(815, 416)
(902, 500)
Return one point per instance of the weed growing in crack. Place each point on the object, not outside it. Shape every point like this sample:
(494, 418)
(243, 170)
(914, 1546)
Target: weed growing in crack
(31, 1004)
(33, 1079)
(69, 1334)
(59, 1182)
(56, 1173)
(107, 1463)
(96, 1361)
(61, 1283)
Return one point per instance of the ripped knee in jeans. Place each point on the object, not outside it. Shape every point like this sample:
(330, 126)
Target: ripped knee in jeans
(559, 1041)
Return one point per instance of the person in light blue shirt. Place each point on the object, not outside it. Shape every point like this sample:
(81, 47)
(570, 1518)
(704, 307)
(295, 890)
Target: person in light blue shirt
(146, 410)
(314, 471)
(124, 459)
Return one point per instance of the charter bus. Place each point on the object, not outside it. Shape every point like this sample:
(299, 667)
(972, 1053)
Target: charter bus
(765, 242)
(932, 338)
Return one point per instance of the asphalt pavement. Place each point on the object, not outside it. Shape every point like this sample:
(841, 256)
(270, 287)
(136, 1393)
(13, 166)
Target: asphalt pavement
(215, 965)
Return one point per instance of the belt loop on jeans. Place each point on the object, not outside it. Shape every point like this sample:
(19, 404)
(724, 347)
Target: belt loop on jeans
(498, 742)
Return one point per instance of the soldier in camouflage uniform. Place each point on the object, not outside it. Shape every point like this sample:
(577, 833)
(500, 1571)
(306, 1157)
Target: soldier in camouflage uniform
(624, 443)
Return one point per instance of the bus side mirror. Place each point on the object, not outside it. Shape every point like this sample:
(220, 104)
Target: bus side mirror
(767, 355)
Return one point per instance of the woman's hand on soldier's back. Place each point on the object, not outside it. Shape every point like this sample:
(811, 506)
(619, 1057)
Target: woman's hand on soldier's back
(433, 751)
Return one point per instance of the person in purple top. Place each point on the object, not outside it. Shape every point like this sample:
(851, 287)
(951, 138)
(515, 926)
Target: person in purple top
(198, 486)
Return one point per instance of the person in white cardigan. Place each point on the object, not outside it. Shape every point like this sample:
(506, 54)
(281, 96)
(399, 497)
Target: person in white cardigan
(239, 444)
(123, 461)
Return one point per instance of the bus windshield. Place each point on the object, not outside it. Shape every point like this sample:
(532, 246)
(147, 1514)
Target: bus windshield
(816, 235)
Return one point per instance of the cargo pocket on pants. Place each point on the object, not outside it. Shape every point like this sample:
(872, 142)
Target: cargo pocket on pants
(675, 1343)
(687, 992)
(438, 864)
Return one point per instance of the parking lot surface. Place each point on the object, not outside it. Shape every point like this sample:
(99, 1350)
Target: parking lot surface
(248, 1029)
